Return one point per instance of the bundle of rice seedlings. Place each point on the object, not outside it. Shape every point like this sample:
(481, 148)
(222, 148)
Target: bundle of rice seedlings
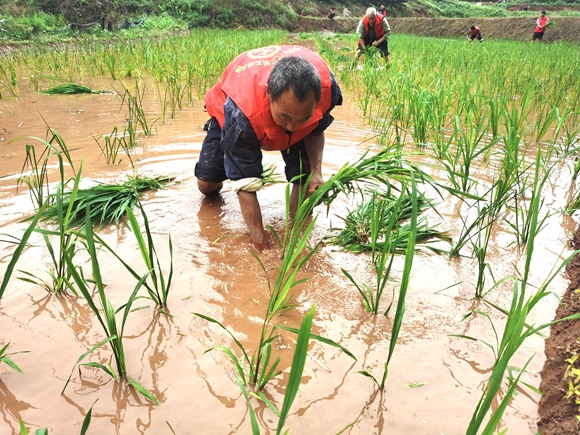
(70, 88)
(107, 201)
(356, 235)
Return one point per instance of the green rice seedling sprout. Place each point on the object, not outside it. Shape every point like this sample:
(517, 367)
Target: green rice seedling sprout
(37, 179)
(8, 76)
(159, 287)
(516, 331)
(404, 286)
(295, 253)
(270, 176)
(44, 431)
(113, 143)
(106, 315)
(136, 114)
(70, 88)
(521, 225)
(5, 357)
(420, 109)
(356, 234)
(385, 167)
(66, 248)
(383, 253)
(296, 370)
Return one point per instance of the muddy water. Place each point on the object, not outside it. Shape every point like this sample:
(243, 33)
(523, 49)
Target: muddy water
(216, 275)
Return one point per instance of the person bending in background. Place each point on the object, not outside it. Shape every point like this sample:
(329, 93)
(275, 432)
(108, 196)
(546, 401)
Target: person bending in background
(373, 30)
(331, 14)
(383, 10)
(276, 98)
(541, 24)
(474, 33)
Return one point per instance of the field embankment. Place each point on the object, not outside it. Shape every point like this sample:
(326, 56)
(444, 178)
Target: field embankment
(517, 28)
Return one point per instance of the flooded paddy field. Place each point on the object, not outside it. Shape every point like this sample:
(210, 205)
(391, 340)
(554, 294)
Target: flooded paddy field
(435, 378)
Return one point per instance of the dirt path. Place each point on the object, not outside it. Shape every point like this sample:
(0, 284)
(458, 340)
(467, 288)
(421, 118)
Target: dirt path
(557, 415)
(516, 28)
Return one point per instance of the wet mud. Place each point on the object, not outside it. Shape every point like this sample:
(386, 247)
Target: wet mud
(435, 380)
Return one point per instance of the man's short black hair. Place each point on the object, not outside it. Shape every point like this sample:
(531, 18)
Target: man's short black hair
(294, 73)
(472, 27)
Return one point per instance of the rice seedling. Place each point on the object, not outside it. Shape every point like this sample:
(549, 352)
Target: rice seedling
(400, 310)
(516, 331)
(70, 88)
(270, 176)
(113, 143)
(383, 255)
(522, 208)
(37, 179)
(468, 138)
(8, 76)
(159, 286)
(295, 253)
(5, 357)
(106, 315)
(378, 211)
(136, 114)
(108, 202)
(44, 431)
(66, 247)
(296, 370)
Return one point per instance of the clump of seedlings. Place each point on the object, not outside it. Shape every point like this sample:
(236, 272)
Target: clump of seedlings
(107, 202)
(70, 88)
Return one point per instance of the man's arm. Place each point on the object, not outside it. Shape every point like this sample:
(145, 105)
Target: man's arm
(386, 28)
(360, 31)
(243, 164)
(252, 215)
(314, 144)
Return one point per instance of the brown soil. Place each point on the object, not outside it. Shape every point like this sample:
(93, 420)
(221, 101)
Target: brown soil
(515, 28)
(557, 415)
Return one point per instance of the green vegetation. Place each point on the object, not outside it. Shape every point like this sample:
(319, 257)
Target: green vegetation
(70, 88)
(5, 357)
(492, 123)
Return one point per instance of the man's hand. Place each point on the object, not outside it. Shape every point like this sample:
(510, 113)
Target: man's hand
(253, 219)
(315, 182)
(261, 246)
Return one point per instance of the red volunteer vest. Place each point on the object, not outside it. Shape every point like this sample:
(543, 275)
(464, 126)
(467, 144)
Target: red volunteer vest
(474, 32)
(541, 22)
(378, 25)
(244, 81)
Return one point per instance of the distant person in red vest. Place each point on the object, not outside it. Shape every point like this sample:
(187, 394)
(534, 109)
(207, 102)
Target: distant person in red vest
(373, 30)
(383, 10)
(474, 33)
(276, 98)
(331, 14)
(541, 24)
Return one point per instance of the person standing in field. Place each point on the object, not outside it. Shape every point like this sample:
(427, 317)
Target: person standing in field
(474, 33)
(276, 98)
(541, 24)
(383, 10)
(373, 30)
